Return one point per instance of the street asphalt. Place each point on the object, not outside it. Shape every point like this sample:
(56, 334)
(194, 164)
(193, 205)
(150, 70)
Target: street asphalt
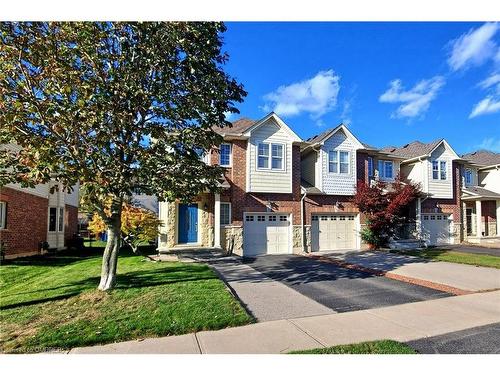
(478, 340)
(337, 288)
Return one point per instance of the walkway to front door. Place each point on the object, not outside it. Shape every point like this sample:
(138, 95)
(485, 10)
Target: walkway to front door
(188, 223)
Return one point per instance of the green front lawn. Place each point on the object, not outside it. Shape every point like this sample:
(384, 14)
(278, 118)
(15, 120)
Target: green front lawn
(370, 347)
(483, 260)
(52, 303)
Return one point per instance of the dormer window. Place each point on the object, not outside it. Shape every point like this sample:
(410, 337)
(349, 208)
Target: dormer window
(338, 162)
(225, 155)
(439, 170)
(271, 156)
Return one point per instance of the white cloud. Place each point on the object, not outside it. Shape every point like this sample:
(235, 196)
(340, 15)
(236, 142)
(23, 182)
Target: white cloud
(415, 101)
(315, 96)
(229, 116)
(346, 113)
(474, 47)
(491, 144)
(492, 80)
(485, 106)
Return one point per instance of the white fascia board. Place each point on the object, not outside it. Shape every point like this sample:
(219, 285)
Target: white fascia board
(279, 121)
(358, 144)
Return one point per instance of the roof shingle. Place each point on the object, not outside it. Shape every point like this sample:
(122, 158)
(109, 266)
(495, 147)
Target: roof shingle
(413, 149)
(239, 126)
(483, 157)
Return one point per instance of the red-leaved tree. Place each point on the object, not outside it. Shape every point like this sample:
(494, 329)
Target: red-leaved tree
(383, 204)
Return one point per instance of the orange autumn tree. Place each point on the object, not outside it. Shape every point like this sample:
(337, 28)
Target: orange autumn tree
(138, 225)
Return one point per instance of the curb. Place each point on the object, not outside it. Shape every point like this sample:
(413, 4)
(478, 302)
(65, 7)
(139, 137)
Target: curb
(394, 276)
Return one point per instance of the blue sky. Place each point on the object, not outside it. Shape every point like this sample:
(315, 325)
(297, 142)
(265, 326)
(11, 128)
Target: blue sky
(392, 83)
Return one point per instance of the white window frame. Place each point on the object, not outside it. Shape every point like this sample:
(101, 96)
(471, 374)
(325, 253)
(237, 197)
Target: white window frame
(60, 219)
(337, 162)
(3, 215)
(230, 155)
(381, 173)
(230, 213)
(468, 173)
(270, 157)
(439, 170)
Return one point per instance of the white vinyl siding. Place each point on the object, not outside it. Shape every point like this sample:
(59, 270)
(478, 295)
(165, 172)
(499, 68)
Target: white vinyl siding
(339, 183)
(441, 187)
(490, 179)
(265, 179)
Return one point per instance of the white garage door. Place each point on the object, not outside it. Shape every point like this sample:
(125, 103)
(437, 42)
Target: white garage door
(333, 232)
(436, 229)
(265, 233)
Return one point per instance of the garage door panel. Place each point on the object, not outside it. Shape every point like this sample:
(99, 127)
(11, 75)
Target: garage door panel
(266, 234)
(333, 232)
(436, 229)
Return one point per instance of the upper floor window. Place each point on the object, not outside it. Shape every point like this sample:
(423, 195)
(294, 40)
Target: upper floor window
(225, 213)
(338, 162)
(468, 176)
(225, 155)
(438, 170)
(270, 156)
(386, 169)
(202, 155)
(370, 166)
(3, 215)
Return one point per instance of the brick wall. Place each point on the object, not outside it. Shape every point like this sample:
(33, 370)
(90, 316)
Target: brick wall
(26, 222)
(257, 202)
(70, 222)
(327, 204)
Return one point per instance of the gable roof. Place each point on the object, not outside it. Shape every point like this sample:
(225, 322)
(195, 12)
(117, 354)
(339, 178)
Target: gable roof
(483, 158)
(278, 121)
(238, 127)
(322, 137)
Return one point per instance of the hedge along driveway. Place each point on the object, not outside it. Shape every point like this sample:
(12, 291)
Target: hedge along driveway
(52, 303)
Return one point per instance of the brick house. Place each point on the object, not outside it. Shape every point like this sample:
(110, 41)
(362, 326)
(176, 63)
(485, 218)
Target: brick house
(31, 216)
(281, 194)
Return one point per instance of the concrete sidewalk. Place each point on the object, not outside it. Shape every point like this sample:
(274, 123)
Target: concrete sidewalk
(402, 322)
(460, 276)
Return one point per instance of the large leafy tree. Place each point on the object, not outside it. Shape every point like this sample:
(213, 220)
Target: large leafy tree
(117, 107)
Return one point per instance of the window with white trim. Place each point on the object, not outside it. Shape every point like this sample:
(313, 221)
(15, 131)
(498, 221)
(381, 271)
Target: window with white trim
(442, 169)
(225, 155)
(386, 169)
(333, 162)
(271, 156)
(338, 162)
(344, 162)
(439, 171)
(468, 176)
(225, 213)
(370, 166)
(263, 156)
(3, 215)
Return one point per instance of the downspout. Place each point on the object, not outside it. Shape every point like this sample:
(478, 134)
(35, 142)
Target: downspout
(302, 220)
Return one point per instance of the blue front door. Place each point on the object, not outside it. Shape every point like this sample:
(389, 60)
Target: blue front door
(188, 223)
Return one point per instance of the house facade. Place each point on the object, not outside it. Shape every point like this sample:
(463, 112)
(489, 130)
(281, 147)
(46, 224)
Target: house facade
(283, 195)
(30, 217)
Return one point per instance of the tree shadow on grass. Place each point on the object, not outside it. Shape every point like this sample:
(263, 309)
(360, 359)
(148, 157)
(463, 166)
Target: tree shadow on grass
(129, 280)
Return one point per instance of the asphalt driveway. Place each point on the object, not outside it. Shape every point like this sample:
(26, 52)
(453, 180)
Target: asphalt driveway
(338, 288)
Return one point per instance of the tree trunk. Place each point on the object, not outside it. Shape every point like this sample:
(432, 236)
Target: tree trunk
(110, 256)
